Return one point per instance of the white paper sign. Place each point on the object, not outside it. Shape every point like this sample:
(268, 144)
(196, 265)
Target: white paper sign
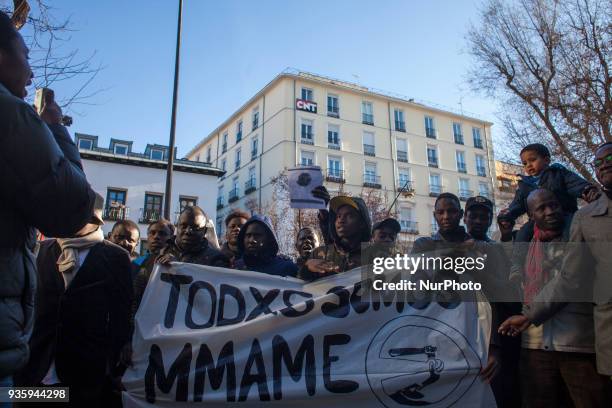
(302, 180)
(216, 337)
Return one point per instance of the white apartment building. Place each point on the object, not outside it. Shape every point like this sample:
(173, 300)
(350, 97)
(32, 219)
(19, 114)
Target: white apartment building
(361, 138)
(133, 184)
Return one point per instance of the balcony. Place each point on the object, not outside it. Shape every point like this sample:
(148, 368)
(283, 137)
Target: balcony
(465, 194)
(432, 162)
(219, 202)
(478, 143)
(237, 165)
(255, 124)
(431, 133)
(148, 215)
(481, 171)
(405, 186)
(307, 138)
(253, 154)
(335, 176)
(369, 150)
(402, 156)
(367, 119)
(224, 148)
(371, 180)
(333, 111)
(333, 146)
(400, 126)
(234, 195)
(461, 168)
(435, 190)
(238, 136)
(250, 186)
(116, 213)
(410, 227)
(459, 139)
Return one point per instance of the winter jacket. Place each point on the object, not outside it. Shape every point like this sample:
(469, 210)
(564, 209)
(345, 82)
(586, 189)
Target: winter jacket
(43, 186)
(269, 262)
(205, 255)
(565, 184)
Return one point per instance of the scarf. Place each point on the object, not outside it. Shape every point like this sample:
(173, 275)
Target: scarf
(535, 275)
(68, 262)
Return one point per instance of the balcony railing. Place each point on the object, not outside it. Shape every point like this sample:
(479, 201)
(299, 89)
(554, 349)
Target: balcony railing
(369, 150)
(335, 176)
(404, 186)
(435, 190)
(334, 146)
(234, 195)
(253, 154)
(459, 139)
(255, 124)
(478, 143)
(148, 215)
(250, 186)
(432, 161)
(430, 133)
(400, 126)
(237, 164)
(402, 156)
(411, 227)
(371, 180)
(367, 118)
(333, 111)
(238, 137)
(461, 168)
(465, 194)
(116, 213)
(481, 171)
(307, 138)
(220, 202)
(224, 148)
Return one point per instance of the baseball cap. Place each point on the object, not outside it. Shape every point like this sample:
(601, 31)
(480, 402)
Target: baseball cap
(388, 222)
(479, 201)
(340, 201)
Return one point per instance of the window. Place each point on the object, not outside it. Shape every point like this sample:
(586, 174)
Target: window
(477, 138)
(464, 189)
(86, 144)
(333, 136)
(208, 154)
(432, 156)
(239, 132)
(152, 208)
(307, 158)
(458, 133)
(369, 149)
(400, 125)
(402, 150)
(234, 193)
(460, 156)
(307, 135)
(238, 156)
(251, 183)
(367, 113)
(115, 204)
(407, 220)
(430, 129)
(333, 108)
(435, 186)
(121, 149)
(369, 176)
(334, 167)
(185, 202)
(254, 147)
(255, 118)
(224, 165)
(157, 154)
(405, 182)
(219, 227)
(483, 189)
(220, 198)
(481, 170)
(224, 147)
(252, 175)
(307, 94)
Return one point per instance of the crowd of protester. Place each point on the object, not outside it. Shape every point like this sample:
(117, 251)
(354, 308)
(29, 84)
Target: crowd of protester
(67, 314)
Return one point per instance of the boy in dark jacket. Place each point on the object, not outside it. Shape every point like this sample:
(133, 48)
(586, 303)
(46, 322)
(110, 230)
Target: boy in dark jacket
(566, 185)
(259, 249)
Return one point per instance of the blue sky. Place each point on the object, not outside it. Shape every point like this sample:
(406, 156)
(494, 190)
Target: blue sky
(232, 48)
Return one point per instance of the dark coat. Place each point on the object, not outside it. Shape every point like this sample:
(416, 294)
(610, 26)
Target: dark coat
(85, 326)
(565, 184)
(42, 186)
(270, 262)
(205, 255)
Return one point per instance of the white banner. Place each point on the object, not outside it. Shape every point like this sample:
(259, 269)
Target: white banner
(221, 337)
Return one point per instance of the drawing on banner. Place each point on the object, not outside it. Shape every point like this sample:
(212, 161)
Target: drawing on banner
(302, 180)
(417, 347)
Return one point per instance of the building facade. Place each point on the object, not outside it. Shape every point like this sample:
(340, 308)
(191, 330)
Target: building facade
(363, 140)
(133, 184)
(506, 185)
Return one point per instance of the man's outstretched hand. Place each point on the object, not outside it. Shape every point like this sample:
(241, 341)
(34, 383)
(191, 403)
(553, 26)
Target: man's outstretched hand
(322, 193)
(514, 325)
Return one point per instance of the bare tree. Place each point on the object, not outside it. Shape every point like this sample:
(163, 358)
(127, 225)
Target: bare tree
(548, 61)
(53, 61)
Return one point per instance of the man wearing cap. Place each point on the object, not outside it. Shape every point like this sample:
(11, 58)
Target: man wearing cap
(386, 231)
(478, 217)
(349, 227)
(82, 313)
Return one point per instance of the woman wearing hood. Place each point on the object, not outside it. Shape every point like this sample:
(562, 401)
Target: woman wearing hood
(259, 247)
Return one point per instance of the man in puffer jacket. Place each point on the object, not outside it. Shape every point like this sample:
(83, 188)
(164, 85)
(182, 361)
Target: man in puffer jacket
(43, 186)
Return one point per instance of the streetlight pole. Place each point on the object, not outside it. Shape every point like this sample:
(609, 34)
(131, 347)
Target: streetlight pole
(171, 148)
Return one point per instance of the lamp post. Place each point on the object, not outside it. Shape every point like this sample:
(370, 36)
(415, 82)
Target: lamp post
(171, 148)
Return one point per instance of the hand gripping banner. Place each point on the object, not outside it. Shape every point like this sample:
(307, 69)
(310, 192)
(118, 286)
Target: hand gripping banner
(217, 337)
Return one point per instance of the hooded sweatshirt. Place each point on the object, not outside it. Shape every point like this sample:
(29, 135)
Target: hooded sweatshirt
(269, 261)
(345, 258)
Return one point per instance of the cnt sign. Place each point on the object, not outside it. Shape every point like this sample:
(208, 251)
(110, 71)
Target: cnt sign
(304, 105)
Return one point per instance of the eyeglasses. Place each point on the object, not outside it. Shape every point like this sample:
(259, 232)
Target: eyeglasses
(597, 163)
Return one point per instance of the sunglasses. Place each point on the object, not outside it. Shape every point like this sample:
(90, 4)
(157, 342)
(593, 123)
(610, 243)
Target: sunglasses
(600, 162)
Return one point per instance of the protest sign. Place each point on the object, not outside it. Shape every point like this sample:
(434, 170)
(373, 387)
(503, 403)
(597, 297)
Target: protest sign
(222, 337)
(302, 180)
